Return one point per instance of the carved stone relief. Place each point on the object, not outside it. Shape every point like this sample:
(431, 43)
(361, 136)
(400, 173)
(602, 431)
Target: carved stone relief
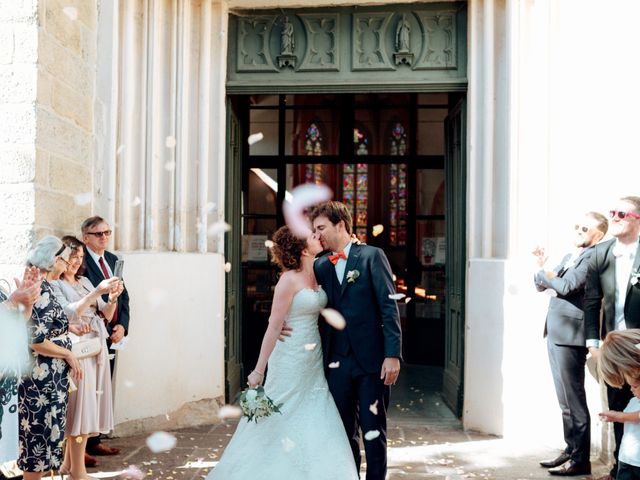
(287, 45)
(253, 44)
(403, 42)
(439, 50)
(323, 42)
(368, 41)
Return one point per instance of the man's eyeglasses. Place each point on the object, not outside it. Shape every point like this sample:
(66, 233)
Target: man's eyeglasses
(106, 233)
(582, 228)
(622, 215)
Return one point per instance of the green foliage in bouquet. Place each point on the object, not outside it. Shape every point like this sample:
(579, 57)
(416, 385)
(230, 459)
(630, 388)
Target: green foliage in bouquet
(255, 404)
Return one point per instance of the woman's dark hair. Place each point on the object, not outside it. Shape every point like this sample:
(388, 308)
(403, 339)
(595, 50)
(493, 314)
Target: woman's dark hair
(287, 249)
(74, 244)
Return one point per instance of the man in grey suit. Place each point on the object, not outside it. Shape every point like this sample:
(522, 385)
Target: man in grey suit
(566, 336)
(612, 286)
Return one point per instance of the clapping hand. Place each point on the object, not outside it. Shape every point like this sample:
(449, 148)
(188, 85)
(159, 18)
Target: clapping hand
(541, 256)
(28, 290)
(107, 285)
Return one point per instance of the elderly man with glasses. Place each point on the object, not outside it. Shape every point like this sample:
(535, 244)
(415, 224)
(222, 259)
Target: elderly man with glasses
(100, 264)
(612, 286)
(566, 335)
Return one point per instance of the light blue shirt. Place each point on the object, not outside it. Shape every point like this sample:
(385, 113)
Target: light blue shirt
(341, 265)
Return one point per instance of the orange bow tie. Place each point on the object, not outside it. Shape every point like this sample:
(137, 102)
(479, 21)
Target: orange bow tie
(334, 258)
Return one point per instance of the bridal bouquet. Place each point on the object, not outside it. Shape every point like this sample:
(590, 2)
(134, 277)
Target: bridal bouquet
(255, 404)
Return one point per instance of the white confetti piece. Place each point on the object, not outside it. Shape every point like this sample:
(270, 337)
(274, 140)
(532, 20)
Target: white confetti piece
(255, 138)
(334, 318)
(227, 267)
(302, 197)
(377, 230)
(120, 149)
(309, 346)
(82, 198)
(288, 444)
(170, 166)
(373, 408)
(268, 243)
(170, 141)
(407, 300)
(132, 472)
(219, 227)
(71, 13)
(161, 442)
(229, 411)
(371, 435)
(334, 365)
(136, 201)
(397, 296)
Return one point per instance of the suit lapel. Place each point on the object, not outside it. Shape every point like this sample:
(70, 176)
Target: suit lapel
(352, 263)
(634, 268)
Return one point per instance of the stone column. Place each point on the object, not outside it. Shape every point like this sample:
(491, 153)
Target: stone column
(47, 77)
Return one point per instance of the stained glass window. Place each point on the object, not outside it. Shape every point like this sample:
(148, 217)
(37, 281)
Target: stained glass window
(398, 140)
(313, 172)
(398, 187)
(355, 185)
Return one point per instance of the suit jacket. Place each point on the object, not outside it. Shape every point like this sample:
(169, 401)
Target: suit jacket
(373, 321)
(565, 318)
(93, 272)
(600, 292)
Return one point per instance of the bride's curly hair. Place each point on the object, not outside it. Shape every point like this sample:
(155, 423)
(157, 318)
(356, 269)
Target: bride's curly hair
(287, 249)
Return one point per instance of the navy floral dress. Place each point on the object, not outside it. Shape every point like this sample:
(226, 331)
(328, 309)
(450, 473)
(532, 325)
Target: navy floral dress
(43, 393)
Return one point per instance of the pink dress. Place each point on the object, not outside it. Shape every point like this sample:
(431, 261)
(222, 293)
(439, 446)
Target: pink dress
(90, 410)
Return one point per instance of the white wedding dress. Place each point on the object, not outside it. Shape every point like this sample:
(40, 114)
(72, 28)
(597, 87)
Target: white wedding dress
(307, 440)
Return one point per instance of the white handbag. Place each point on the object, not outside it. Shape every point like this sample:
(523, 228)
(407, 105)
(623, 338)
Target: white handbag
(87, 348)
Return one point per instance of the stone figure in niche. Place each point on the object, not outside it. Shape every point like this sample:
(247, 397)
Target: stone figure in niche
(402, 35)
(286, 38)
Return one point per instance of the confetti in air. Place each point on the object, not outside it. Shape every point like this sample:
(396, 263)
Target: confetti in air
(309, 346)
(302, 197)
(407, 300)
(132, 472)
(136, 201)
(120, 149)
(287, 444)
(227, 267)
(219, 227)
(268, 243)
(229, 411)
(210, 207)
(82, 198)
(255, 138)
(371, 435)
(161, 442)
(334, 318)
(397, 296)
(170, 142)
(71, 13)
(377, 230)
(373, 408)
(334, 365)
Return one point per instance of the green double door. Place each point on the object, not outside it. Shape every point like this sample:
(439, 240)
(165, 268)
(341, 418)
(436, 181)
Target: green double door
(397, 160)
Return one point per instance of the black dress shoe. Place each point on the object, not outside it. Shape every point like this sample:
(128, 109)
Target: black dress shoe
(556, 461)
(571, 468)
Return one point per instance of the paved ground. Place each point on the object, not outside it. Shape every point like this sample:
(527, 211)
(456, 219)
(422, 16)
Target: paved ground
(425, 442)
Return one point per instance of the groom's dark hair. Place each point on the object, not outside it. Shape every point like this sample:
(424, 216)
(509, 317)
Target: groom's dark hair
(334, 211)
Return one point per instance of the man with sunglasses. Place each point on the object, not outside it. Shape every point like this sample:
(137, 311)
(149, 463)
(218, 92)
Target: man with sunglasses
(612, 287)
(98, 265)
(565, 332)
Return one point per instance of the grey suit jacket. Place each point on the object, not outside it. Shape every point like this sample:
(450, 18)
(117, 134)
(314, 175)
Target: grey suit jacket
(565, 318)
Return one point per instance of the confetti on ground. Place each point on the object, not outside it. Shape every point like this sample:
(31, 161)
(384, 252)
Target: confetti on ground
(334, 318)
(132, 472)
(161, 442)
(255, 138)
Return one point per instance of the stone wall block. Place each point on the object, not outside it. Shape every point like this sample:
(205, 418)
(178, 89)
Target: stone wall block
(45, 87)
(17, 166)
(42, 167)
(19, 124)
(88, 45)
(18, 83)
(6, 44)
(87, 13)
(25, 39)
(69, 177)
(64, 66)
(69, 104)
(61, 138)
(17, 202)
(19, 11)
(16, 242)
(55, 210)
(64, 27)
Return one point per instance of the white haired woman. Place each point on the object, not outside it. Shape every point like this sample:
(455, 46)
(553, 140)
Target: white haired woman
(43, 392)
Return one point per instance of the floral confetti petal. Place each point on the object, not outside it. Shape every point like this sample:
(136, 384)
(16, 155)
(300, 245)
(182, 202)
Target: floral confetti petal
(302, 197)
(334, 318)
(377, 230)
(397, 296)
(229, 411)
(161, 442)
(309, 346)
(371, 435)
(170, 141)
(133, 472)
(255, 138)
(334, 365)
(374, 407)
(219, 227)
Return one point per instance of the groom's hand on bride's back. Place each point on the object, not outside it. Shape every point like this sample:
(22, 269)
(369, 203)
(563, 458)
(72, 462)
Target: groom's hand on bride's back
(285, 332)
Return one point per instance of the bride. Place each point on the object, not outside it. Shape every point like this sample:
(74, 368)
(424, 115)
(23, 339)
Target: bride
(307, 439)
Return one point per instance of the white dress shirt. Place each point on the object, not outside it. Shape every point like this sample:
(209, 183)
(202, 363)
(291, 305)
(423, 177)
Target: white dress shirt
(625, 255)
(342, 263)
(96, 258)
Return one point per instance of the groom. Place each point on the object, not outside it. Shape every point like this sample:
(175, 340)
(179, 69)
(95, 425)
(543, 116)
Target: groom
(365, 356)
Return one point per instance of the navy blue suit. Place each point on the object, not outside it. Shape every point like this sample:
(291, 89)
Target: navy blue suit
(372, 334)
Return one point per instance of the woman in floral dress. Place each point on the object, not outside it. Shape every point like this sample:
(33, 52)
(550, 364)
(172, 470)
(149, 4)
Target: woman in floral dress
(43, 394)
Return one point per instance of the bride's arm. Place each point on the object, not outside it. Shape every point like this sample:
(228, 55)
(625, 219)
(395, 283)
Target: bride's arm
(282, 298)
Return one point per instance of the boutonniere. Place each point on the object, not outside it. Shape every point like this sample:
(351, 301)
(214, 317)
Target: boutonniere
(635, 276)
(352, 276)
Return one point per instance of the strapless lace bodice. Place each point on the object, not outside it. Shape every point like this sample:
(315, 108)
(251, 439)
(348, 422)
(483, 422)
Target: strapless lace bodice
(307, 440)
